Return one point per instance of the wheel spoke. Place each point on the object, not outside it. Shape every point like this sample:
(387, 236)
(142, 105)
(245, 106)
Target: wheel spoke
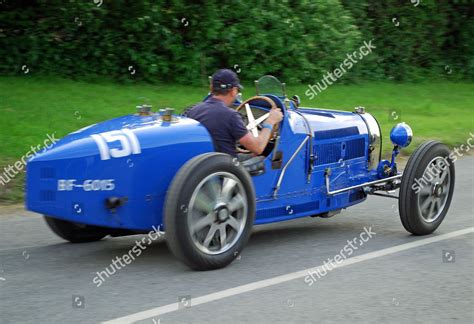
(426, 190)
(210, 235)
(425, 203)
(258, 121)
(438, 204)
(444, 174)
(223, 235)
(431, 212)
(203, 203)
(214, 187)
(251, 125)
(203, 222)
(227, 188)
(254, 131)
(232, 222)
(250, 116)
(236, 203)
(444, 194)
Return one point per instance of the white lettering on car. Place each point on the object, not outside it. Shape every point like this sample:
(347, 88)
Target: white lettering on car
(86, 185)
(128, 141)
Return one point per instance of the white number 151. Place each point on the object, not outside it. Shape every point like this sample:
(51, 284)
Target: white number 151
(128, 140)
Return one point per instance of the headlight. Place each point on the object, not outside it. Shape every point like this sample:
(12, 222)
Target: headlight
(401, 135)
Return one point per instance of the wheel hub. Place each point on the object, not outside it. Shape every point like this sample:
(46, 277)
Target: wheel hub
(222, 213)
(437, 190)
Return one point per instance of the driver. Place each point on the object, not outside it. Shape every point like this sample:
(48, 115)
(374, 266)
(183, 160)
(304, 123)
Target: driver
(225, 124)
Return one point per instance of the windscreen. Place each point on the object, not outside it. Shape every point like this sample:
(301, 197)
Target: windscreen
(268, 84)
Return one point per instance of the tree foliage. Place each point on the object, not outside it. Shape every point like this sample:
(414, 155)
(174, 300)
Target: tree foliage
(184, 41)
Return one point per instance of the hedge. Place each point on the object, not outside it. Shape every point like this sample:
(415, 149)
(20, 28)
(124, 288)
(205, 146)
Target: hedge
(184, 41)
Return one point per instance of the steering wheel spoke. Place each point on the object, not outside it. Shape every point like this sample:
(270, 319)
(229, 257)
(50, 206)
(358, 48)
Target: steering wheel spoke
(253, 123)
(261, 119)
(252, 127)
(250, 115)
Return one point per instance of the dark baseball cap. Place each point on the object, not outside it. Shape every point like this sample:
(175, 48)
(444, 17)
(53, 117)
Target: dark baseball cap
(225, 79)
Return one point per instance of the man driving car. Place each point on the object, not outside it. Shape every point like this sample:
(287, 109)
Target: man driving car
(224, 123)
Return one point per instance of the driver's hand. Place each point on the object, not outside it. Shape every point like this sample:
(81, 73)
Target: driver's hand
(275, 116)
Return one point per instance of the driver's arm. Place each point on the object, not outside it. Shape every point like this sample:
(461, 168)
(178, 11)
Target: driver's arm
(257, 144)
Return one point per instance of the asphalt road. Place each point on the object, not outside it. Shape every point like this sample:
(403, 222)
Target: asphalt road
(46, 280)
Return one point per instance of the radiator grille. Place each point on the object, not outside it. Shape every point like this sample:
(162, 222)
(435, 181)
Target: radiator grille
(345, 150)
(355, 148)
(328, 153)
(336, 133)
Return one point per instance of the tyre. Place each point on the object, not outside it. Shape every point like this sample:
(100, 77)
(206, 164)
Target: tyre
(209, 211)
(427, 188)
(75, 233)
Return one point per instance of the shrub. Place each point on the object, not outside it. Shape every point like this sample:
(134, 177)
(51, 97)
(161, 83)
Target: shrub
(184, 41)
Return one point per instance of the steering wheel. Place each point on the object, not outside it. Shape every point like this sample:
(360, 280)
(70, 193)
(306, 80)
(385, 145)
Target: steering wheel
(254, 124)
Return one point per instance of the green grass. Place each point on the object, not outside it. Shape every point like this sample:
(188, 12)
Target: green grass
(32, 107)
(441, 111)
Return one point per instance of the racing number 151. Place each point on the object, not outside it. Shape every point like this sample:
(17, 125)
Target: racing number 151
(128, 140)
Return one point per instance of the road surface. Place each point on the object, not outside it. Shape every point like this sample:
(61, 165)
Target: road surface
(393, 277)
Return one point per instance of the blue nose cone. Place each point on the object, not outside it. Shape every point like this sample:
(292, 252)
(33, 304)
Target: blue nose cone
(401, 135)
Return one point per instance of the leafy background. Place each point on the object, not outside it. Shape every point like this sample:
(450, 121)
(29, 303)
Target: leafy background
(185, 41)
(66, 64)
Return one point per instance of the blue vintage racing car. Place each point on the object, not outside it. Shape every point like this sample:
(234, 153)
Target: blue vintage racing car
(159, 170)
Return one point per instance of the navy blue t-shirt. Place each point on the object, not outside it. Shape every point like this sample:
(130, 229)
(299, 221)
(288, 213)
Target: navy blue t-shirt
(223, 123)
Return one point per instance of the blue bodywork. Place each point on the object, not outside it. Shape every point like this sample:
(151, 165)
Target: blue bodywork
(136, 157)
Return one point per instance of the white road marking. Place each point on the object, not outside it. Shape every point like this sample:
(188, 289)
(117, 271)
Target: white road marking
(170, 308)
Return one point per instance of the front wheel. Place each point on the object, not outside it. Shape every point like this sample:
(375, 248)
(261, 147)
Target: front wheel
(427, 188)
(209, 211)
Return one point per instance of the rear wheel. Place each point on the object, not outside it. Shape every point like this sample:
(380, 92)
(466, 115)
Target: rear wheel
(209, 211)
(427, 188)
(74, 232)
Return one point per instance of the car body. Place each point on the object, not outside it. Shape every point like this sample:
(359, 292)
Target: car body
(117, 174)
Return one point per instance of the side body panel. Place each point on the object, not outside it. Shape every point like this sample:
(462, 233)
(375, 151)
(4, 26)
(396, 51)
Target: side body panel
(72, 180)
(339, 142)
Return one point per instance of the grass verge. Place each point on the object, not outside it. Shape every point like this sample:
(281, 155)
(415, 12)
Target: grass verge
(33, 107)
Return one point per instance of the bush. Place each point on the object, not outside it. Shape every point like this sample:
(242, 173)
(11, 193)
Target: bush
(182, 41)
(432, 39)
